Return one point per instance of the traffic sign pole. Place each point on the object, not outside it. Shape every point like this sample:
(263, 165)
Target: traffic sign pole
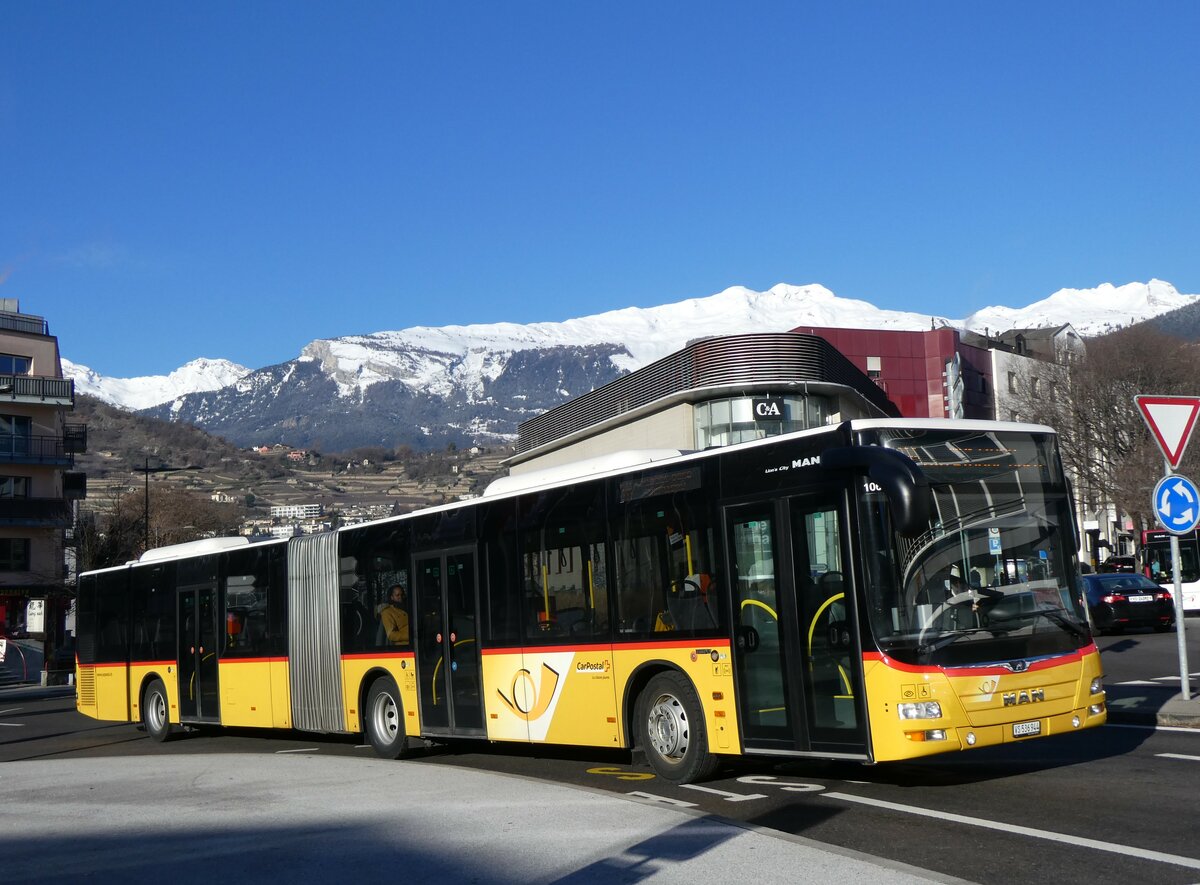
(1185, 685)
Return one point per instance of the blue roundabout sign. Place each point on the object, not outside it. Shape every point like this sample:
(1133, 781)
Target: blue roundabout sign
(1177, 504)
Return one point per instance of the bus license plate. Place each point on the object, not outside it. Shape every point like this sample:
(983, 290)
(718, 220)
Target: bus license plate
(1027, 729)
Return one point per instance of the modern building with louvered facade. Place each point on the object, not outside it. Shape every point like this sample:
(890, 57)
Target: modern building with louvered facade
(714, 392)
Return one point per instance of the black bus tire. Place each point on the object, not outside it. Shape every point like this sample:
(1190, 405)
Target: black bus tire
(156, 717)
(671, 732)
(383, 719)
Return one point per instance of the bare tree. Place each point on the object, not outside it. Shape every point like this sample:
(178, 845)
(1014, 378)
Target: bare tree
(117, 531)
(1090, 402)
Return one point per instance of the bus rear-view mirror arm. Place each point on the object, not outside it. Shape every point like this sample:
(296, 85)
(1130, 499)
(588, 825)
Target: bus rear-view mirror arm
(904, 483)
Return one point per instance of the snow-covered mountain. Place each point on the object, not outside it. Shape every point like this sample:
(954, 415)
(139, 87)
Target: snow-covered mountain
(1090, 311)
(425, 386)
(447, 358)
(142, 393)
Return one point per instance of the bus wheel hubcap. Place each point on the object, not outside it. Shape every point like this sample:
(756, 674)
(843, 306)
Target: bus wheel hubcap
(668, 727)
(158, 711)
(386, 717)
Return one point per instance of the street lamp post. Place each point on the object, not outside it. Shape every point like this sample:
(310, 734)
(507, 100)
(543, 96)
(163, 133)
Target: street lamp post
(147, 470)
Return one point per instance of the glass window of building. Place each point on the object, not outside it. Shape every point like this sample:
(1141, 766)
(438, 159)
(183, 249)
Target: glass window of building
(723, 422)
(14, 486)
(11, 364)
(14, 554)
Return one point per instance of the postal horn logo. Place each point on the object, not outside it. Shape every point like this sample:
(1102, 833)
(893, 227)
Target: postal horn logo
(530, 701)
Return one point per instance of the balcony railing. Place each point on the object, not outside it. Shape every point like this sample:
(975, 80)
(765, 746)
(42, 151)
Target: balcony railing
(52, 512)
(16, 448)
(37, 389)
(20, 322)
(75, 438)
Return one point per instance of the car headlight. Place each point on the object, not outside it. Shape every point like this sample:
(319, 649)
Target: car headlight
(920, 710)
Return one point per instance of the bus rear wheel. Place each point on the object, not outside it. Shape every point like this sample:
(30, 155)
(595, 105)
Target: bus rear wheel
(671, 730)
(383, 719)
(155, 716)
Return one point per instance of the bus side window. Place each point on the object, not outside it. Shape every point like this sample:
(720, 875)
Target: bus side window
(246, 617)
(665, 562)
(563, 562)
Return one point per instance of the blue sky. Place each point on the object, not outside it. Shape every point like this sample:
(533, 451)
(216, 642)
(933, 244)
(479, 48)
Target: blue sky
(236, 179)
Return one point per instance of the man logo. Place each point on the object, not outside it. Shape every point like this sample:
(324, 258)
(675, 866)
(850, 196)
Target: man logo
(1016, 698)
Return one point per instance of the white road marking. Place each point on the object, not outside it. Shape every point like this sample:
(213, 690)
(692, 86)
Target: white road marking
(728, 797)
(1179, 728)
(305, 750)
(12, 724)
(1094, 844)
(1178, 756)
(790, 786)
(9, 710)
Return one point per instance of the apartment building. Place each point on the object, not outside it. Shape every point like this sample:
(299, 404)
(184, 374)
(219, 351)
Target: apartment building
(37, 487)
(297, 511)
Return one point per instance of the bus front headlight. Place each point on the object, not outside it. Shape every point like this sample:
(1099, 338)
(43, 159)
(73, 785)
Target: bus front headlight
(920, 710)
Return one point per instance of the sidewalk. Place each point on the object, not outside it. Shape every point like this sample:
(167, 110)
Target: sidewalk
(1153, 704)
(31, 692)
(289, 818)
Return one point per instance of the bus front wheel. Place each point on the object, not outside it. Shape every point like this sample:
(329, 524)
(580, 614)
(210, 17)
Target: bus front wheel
(155, 716)
(671, 730)
(384, 719)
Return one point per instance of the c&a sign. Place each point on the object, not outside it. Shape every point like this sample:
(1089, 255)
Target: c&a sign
(768, 408)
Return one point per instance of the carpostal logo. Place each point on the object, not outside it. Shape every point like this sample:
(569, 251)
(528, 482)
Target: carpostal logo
(593, 666)
(527, 699)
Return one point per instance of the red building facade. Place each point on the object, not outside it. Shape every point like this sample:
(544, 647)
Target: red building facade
(929, 374)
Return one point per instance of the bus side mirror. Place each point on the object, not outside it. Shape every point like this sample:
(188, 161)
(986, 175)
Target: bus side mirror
(904, 483)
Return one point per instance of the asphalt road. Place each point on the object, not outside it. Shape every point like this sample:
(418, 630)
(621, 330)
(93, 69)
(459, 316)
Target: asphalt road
(1109, 805)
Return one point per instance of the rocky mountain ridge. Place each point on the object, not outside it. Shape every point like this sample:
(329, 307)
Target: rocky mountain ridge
(426, 387)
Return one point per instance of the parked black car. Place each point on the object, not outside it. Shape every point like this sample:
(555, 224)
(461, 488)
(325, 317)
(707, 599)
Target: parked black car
(1118, 564)
(1117, 601)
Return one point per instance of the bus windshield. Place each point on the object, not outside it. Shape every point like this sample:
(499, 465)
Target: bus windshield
(992, 579)
(1156, 554)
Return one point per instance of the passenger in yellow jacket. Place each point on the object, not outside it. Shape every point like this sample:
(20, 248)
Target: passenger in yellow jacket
(394, 617)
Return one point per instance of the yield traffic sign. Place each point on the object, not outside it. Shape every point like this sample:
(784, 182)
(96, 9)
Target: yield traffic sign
(1170, 419)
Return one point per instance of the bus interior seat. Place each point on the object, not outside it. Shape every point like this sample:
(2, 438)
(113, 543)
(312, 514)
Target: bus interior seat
(691, 608)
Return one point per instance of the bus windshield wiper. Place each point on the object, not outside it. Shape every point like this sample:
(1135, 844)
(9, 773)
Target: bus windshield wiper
(1053, 614)
(949, 639)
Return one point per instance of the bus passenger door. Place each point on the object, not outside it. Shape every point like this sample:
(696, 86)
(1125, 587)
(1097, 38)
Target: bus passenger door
(198, 645)
(831, 659)
(762, 654)
(795, 638)
(448, 668)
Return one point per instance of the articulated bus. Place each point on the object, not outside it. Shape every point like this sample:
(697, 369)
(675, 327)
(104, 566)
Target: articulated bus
(1156, 564)
(877, 590)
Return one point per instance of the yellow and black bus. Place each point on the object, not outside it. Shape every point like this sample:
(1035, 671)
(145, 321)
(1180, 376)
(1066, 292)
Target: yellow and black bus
(877, 590)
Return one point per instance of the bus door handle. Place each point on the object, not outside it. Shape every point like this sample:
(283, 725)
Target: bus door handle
(747, 639)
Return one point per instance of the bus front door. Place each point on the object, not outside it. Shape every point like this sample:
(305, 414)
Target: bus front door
(799, 688)
(199, 696)
(448, 667)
